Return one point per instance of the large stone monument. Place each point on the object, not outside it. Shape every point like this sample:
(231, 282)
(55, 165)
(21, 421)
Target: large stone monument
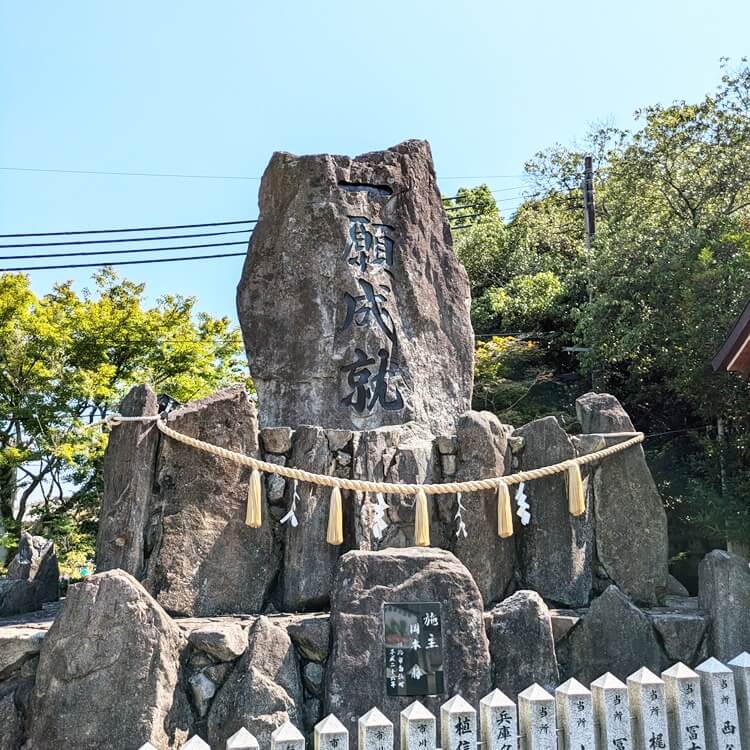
(355, 316)
(353, 305)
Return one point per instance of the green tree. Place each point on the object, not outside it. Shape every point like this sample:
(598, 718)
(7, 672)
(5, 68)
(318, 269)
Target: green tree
(668, 273)
(652, 300)
(66, 360)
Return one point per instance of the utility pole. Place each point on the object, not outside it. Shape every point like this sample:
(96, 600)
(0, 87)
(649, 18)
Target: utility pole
(589, 227)
(589, 211)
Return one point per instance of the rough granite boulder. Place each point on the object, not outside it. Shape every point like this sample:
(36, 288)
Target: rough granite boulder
(555, 549)
(311, 635)
(18, 643)
(613, 636)
(355, 256)
(223, 641)
(203, 559)
(724, 595)
(11, 729)
(129, 467)
(263, 691)
(522, 644)
(602, 412)
(33, 577)
(109, 672)
(15, 694)
(356, 673)
(482, 446)
(682, 633)
(398, 454)
(629, 517)
(309, 561)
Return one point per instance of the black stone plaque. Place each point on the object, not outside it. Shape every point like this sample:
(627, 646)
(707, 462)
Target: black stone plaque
(413, 648)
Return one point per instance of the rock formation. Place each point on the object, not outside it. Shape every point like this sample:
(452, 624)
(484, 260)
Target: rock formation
(203, 559)
(263, 691)
(109, 672)
(482, 445)
(32, 577)
(724, 594)
(353, 305)
(555, 548)
(613, 636)
(522, 646)
(356, 674)
(355, 316)
(630, 521)
(128, 484)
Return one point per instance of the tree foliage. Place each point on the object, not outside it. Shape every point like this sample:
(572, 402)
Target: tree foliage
(651, 303)
(66, 360)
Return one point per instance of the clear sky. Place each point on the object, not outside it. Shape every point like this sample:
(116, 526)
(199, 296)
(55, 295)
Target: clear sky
(213, 88)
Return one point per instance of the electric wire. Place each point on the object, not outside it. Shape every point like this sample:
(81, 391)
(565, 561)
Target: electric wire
(130, 229)
(121, 262)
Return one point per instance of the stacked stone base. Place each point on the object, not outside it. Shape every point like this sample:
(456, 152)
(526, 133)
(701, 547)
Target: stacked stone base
(112, 668)
(175, 520)
(182, 632)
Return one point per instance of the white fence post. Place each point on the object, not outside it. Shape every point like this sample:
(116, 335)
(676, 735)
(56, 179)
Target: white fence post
(195, 743)
(612, 713)
(684, 708)
(287, 737)
(242, 740)
(458, 725)
(375, 731)
(575, 716)
(499, 721)
(741, 667)
(719, 705)
(331, 734)
(648, 709)
(417, 728)
(536, 717)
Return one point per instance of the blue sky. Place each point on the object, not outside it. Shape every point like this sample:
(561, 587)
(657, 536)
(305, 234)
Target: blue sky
(214, 88)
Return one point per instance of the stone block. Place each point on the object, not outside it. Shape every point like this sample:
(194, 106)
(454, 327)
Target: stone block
(205, 560)
(522, 645)
(377, 236)
(84, 696)
(356, 672)
(555, 548)
(630, 521)
(724, 595)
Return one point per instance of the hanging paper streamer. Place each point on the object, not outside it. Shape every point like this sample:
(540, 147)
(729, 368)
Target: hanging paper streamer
(523, 506)
(504, 512)
(379, 524)
(335, 519)
(576, 497)
(421, 521)
(461, 530)
(291, 516)
(253, 515)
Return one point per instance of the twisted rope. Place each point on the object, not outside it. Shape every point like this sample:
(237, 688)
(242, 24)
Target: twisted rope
(362, 485)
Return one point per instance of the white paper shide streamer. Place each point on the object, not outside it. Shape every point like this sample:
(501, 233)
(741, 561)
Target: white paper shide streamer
(291, 516)
(379, 523)
(461, 526)
(523, 507)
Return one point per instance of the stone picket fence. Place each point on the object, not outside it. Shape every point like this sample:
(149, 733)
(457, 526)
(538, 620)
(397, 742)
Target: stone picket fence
(705, 709)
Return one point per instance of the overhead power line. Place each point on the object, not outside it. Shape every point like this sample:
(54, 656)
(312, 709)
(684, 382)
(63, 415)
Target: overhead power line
(500, 190)
(121, 262)
(133, 174)
(209, 176)
(128, 251)
(127, 239)
(482, 177)
(130, 229)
